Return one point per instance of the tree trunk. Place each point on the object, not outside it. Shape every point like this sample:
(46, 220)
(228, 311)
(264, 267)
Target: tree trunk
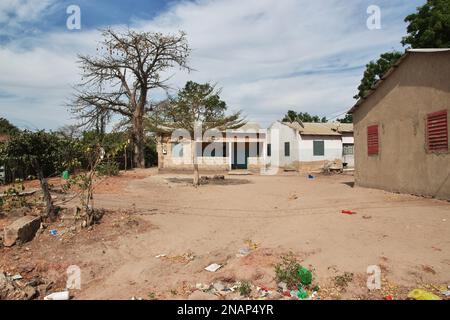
(196, 182)
(50, 211)
(138, 137)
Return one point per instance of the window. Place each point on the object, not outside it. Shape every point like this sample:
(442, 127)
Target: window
(372, 140)
(177, 150)
(319, 148)
(437, 131)
(348, 149)
(269, 150)
(287, 149)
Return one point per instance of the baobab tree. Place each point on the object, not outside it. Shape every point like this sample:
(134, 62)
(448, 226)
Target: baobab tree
(117, 80)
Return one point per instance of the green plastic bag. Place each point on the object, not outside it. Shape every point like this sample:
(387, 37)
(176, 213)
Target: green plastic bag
(418, 294)
(305, 276)
(65, 175)
(302, 294)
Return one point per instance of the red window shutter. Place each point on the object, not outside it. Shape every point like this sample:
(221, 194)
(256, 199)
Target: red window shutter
(372, 140)
(437, 131)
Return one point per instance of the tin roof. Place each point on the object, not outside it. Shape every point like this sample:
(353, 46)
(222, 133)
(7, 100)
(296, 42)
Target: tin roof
(320, 129)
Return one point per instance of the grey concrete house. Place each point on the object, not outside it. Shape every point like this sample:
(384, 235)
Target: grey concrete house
(401, 127)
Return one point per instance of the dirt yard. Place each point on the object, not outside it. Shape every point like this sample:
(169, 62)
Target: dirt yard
(162, 233)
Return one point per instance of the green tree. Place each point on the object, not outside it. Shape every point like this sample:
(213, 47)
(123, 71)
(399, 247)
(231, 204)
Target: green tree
(292, 116)
(347, 119)
(7, 128)
(195, 106)
(375, 71)
(42, 152)
(429, 27)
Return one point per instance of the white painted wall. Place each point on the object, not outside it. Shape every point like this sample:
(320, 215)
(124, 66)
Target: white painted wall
(278, 134)
(333, 148)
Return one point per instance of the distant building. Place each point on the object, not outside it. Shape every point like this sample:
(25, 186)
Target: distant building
(242, 148)
(303, 146)
(401, 127)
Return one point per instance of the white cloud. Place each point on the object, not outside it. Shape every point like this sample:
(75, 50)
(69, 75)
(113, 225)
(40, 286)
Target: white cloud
(15, 12)
(267, 55)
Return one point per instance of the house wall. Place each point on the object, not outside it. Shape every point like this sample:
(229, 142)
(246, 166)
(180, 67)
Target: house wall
(419, 86)
(279, 134)
(333, 148)
(170, 161)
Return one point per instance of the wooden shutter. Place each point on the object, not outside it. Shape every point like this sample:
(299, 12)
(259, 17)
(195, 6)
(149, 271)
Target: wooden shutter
(373, 145)
(437, 131)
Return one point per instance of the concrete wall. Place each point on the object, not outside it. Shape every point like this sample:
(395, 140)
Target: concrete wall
(170, 159)
(333, 148)
(420, 85)
(277, 136)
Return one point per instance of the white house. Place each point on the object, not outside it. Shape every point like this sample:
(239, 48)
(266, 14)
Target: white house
(308, 146)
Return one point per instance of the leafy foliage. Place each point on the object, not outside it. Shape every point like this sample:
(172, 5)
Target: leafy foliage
(108, 168)
(287, 271)
(7, 128)
(429, 27)
(292, 116)
(375, 71)
(245, 289)
(347, 119)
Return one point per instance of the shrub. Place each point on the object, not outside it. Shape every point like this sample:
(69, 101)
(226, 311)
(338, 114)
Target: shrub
(245, 289)
(109, 168)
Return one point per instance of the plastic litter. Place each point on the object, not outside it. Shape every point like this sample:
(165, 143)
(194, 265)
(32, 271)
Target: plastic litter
(446, 293)
(63, 295)
(16, 277)
(305, 275)
(54, 232)
(419, 294)
(348, 212)
(243, 252)
(213, 267)
(160, 256)
(301, 293)
(311, 177)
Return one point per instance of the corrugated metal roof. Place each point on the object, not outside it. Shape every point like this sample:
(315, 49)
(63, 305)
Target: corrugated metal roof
(391, 70)
(315, 129)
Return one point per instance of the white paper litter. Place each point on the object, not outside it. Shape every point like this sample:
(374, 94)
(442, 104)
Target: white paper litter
(213, 267)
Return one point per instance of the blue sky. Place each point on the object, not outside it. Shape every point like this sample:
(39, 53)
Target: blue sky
(268, 56)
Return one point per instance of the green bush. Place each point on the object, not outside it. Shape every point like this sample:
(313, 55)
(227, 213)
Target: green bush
(109, 168)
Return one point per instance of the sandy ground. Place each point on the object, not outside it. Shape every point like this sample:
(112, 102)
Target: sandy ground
(407, 236)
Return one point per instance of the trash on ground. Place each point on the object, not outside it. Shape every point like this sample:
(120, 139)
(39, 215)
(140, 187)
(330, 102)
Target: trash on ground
(419, 294)
(349, 212)
(213, 267)
(203, 287)
(54, 232)
(160, 256)
(305, 275)
(446, 293)
(16, 277)
(389, 297)
(243, 252)
(63, 295)
(367, 217)
(311, 177)
(252, 245)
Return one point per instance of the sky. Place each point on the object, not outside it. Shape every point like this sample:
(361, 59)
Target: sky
(267, 56)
